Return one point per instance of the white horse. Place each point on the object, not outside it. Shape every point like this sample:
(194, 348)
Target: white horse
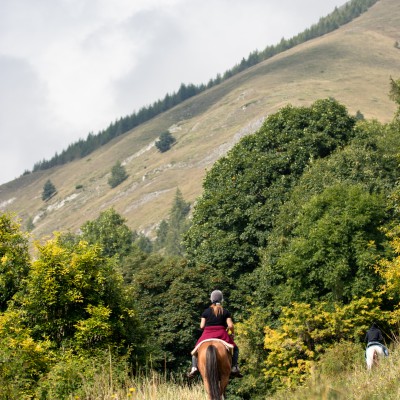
(373, 353)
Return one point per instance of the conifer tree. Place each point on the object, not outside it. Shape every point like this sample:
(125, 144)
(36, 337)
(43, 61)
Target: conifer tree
(118, 174)
(49, 190)
(162, 232)
(177, 225)
(165, 142)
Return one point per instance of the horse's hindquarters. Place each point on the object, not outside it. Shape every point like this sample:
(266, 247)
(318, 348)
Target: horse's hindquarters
(372, 355)
(214, 363)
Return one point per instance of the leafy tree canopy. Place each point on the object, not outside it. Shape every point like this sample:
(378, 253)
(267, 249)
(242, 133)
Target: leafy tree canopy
(171, 296)
(332, 250)
(110, 231)
(69, 303)
(75, 294)
(243, 191)
(368, 168)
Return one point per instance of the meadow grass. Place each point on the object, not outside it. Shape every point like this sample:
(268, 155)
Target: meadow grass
(350, 381)
(340, 375)
(151, 387)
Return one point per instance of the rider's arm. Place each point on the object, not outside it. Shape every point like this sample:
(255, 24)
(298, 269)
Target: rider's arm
(231, 328)
(202, 323)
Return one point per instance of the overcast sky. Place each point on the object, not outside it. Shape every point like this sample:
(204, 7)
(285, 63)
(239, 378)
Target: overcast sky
(70, 67)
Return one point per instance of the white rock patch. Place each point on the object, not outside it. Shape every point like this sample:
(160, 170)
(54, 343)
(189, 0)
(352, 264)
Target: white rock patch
(6, 203)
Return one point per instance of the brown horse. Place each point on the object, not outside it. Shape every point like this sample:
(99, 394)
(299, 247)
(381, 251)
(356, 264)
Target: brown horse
(214, 364)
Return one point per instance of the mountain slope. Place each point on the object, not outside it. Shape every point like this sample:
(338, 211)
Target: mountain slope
(352, 64)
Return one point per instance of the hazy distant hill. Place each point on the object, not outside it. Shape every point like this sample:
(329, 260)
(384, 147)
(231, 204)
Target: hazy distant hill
(352, 64)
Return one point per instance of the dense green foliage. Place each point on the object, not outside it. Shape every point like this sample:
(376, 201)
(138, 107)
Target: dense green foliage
(82, 148)
(76, 294)
(325, 244)
(337, 230)
(73, 305)
(244, 190)
(297, 213)
(110, 232)
(171, 297)
(14, 259)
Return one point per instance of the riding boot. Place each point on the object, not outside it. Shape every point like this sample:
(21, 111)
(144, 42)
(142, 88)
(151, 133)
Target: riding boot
(235, 369)
(235, 356)
(193, 372)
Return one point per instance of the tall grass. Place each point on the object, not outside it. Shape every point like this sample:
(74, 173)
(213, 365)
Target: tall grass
(150, 387)
(334, 379)
(341, 374)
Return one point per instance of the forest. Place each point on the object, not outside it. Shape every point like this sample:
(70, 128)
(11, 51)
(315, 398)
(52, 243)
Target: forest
(298, 225)
(83, 147)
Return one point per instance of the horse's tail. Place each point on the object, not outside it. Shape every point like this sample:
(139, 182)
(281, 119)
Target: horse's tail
(212, 373)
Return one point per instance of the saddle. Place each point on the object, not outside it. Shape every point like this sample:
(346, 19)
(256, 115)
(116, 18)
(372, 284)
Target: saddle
(229, 347)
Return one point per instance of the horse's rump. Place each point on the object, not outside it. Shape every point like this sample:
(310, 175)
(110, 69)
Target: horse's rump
(228, 346)
(214, 363)
(373, 353)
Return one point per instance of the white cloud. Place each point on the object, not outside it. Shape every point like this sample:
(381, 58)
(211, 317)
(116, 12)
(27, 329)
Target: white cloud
(68, 67)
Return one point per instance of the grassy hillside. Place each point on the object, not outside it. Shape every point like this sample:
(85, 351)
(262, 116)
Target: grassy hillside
(352, 64)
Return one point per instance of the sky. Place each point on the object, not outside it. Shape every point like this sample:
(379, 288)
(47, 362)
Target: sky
(70, 67)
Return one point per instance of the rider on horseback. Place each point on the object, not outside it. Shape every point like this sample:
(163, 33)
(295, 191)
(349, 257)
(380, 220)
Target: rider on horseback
(217, 323)
(374, 337)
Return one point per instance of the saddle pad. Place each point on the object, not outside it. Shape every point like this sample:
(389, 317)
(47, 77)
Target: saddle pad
(229, 347)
